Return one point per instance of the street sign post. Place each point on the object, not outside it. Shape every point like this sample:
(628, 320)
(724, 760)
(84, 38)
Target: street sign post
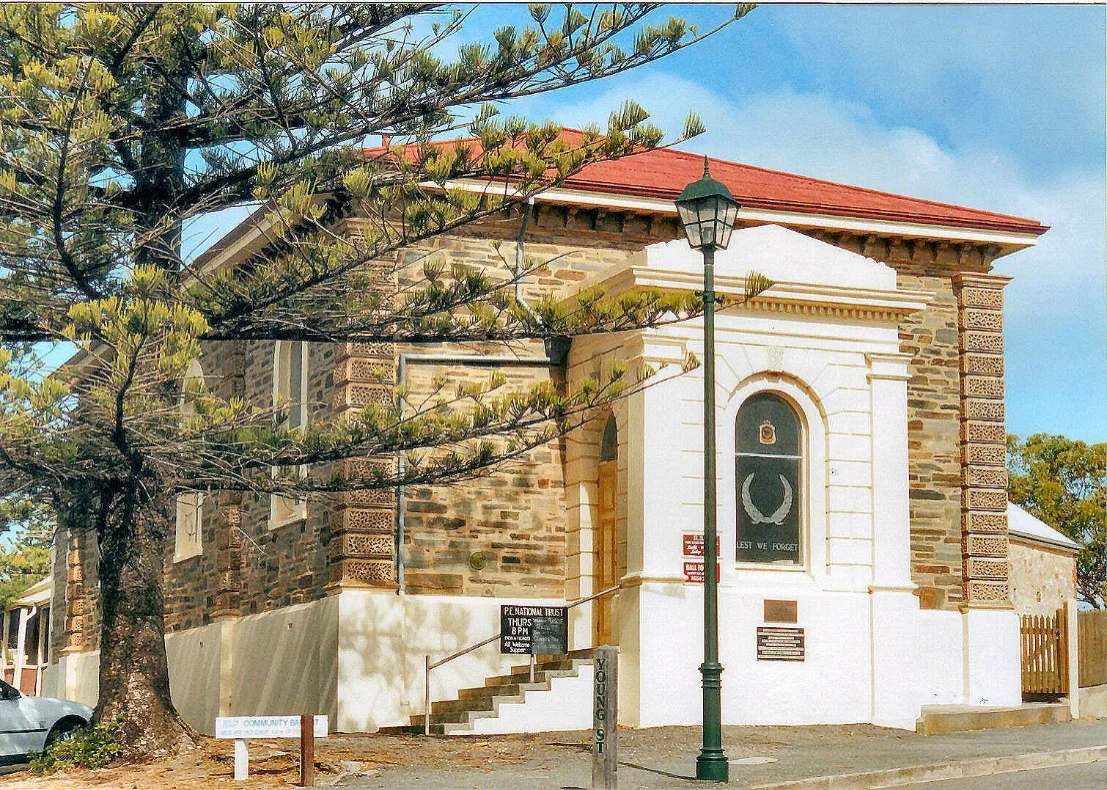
(605, 718)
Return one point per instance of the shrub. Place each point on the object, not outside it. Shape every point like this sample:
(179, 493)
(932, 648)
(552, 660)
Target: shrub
(92, 746)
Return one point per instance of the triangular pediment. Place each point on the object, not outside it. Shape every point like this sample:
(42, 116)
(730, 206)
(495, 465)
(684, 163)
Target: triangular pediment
(806, 273)
(782, 255)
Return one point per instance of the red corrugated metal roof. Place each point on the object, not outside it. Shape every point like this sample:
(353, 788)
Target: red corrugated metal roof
(663, 173)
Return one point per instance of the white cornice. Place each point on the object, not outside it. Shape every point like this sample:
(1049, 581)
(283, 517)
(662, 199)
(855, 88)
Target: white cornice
(792, 298)
(860, 225)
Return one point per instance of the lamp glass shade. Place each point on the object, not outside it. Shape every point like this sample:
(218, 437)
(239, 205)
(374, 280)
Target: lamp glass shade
(707, 211)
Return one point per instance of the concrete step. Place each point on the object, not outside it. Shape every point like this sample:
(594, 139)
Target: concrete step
(936, 719)
(457, 715)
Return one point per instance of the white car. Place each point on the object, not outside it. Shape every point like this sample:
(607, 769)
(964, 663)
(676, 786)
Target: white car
(28, 724)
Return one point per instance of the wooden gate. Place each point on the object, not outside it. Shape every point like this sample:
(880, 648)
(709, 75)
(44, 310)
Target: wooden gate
(1092, 647)
(1045, 654)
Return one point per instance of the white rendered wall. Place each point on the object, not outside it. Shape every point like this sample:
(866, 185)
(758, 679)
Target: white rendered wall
(194, 674)
(871, 654)
(383, 640)
(285, 662)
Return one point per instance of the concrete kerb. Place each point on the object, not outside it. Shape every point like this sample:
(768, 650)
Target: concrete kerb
(966, 769)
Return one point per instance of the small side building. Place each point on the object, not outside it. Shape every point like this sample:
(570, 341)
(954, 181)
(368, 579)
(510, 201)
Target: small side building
(1043, 564)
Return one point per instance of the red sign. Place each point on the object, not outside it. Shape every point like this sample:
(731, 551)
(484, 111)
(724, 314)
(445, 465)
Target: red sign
(693, 544)
(693, 572)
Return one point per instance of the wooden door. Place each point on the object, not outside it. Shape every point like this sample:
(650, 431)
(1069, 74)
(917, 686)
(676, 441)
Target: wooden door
(604, 557)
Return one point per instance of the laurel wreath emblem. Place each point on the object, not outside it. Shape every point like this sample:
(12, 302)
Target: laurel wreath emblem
(756, 515)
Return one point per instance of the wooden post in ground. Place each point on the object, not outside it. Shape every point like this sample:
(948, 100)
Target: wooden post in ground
(605, 718)
(307, 750)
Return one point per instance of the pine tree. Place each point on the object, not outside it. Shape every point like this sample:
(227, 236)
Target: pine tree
(119, 124)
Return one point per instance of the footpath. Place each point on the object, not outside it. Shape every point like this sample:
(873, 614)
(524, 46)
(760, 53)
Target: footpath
(765, 758)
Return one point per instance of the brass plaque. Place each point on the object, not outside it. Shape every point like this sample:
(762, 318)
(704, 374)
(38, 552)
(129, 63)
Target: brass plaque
(781, 612)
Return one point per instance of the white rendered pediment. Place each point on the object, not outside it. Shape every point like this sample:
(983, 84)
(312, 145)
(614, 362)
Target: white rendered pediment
(782, 255)
(803, 270)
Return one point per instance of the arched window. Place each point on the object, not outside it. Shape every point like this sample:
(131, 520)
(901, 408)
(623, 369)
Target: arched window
(188, 540)
(609, 445)
(769, 481)
(290, 377)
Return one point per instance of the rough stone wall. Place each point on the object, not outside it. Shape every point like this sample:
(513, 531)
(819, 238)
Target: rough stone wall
(933, 440)
(1041, 578)
(936, 411)
(195, 586)
(506, 534)
(60, 623)
(502, 534)
(245, 566)
(288, 564)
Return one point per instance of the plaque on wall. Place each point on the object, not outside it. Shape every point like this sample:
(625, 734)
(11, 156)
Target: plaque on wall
(781, 611)
(780, 644)
(534, 630)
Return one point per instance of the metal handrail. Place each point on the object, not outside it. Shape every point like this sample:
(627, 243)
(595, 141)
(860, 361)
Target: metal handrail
(428, 666)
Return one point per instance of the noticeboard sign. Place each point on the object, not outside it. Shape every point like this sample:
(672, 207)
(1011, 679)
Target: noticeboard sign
(534, 630)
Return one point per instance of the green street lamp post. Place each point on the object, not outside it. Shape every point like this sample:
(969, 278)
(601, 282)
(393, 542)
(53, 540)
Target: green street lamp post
(708, 210)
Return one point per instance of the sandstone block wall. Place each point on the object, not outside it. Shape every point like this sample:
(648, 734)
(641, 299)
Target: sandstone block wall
(1041, 578)
(506, 534)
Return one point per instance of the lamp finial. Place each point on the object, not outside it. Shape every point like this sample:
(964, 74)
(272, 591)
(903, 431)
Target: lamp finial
(705, 173)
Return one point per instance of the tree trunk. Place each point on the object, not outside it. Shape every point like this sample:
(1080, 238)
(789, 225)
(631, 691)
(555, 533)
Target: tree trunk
(134, 673)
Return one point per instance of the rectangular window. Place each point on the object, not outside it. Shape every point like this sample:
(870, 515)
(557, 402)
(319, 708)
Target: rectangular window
(190, 523)
(290, 362)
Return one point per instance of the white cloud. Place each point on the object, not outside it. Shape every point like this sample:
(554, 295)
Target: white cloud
(1056, 303)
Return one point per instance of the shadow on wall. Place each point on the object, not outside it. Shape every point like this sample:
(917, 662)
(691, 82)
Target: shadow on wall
(384, 639)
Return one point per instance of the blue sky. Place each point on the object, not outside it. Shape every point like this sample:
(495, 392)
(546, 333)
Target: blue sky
(994, 107)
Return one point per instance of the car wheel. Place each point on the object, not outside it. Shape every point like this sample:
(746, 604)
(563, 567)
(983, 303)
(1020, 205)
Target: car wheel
(62, 731)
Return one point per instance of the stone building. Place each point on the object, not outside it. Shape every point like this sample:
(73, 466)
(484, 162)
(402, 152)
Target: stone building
(864, 393)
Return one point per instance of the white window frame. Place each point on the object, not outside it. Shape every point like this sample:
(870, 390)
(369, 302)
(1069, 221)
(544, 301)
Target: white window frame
(189, 533)
(287, 510)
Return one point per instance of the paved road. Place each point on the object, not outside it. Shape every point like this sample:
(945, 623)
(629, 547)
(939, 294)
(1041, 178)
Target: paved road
(665, 757)
(1092, 776)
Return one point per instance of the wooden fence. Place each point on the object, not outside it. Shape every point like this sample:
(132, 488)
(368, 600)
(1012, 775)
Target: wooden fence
(1092, 646)
(1045, 665)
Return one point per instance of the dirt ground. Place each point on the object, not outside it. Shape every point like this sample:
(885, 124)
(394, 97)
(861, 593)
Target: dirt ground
(344, 758)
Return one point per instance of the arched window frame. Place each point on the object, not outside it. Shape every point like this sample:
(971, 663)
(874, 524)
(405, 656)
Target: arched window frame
(814, 528)
(189, 529)
(286, 510)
